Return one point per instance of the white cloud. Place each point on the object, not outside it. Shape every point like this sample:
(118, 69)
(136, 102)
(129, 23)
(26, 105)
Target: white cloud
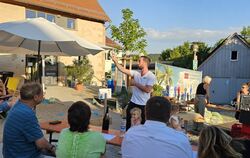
(160, 40)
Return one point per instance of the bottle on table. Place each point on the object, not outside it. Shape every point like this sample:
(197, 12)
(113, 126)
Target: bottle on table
(106, 120)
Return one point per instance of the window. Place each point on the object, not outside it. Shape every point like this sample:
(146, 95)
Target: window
(51, 18)
(107, 56)
(41, 14)
(234, 55)
(70, 23)
(30, 14)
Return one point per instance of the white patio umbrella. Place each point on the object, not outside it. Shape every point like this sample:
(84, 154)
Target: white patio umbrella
(41, 37)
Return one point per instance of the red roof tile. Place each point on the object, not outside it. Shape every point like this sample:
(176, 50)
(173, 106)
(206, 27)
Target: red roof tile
(111, 43)
(89, 9)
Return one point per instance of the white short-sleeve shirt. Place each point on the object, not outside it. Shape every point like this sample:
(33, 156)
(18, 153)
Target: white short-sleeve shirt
(138, 96)
(155, 140)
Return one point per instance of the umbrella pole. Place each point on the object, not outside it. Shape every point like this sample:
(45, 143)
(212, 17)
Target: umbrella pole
(38, 62)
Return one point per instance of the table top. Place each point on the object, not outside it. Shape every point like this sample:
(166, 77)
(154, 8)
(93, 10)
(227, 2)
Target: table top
(117, 140)
(57, 128)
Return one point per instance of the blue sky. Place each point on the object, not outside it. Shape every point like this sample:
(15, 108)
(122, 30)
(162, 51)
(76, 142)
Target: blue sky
(169, 23)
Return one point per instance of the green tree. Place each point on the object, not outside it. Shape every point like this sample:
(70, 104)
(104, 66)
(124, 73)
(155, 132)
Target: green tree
(203, 52)
(81, 70)
(129, 33)
(245, 32)
(165, 54)
(183, 55)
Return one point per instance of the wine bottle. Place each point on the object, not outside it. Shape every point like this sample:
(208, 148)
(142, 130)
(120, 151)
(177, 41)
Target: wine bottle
(123, 96)
(106, 119)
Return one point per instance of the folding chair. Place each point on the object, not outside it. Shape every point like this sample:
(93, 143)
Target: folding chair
(13, 85)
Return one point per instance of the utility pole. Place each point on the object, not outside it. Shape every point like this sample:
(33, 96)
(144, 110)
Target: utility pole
(195, 48)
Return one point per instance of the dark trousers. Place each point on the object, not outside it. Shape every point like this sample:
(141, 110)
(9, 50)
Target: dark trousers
(132, 105)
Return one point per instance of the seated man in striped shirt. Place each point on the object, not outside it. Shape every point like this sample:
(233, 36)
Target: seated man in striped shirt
(22, 136)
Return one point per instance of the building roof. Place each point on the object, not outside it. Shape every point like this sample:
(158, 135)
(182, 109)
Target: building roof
(111, 43)
(85, 9)
(224, 42)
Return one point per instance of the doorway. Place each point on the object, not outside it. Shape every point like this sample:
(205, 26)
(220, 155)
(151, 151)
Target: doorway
(31, 68)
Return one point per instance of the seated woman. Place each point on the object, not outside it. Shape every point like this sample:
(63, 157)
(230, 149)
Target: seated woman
(77, 141)
(215, 143)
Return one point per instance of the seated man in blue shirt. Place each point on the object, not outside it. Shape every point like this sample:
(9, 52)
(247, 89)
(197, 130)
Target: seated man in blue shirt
(154, 138)
(22, 136)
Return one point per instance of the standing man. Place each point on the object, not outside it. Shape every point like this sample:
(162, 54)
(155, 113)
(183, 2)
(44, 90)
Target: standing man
(22, 136)
(155, 138)
(142, 83)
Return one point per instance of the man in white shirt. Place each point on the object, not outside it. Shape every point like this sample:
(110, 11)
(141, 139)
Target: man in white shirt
(154, 139)
(142, 83)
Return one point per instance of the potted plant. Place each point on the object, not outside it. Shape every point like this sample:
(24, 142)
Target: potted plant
(157, 90)
(80, 73)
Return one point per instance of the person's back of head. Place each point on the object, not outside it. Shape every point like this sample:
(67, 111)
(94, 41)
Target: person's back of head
(79, 116)
(158, 109)
(29, 90)
(215, 143)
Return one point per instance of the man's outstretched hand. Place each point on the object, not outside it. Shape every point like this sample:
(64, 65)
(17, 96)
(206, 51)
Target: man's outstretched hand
(114, 58)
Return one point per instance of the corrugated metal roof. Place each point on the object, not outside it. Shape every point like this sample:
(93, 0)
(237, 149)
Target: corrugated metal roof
(222, 43)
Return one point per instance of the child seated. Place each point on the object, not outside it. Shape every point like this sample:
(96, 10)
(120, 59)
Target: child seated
(135, 116)
(174, 120)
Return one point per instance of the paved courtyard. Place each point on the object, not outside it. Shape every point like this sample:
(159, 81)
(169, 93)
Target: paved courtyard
(62, 98)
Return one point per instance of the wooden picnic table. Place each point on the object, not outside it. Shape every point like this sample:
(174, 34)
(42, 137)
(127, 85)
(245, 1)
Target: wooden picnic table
(57, 128)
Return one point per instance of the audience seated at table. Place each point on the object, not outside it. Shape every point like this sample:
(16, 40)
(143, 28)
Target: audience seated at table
(215, 143)
(155, 138)
(22, 135)
(77, 141)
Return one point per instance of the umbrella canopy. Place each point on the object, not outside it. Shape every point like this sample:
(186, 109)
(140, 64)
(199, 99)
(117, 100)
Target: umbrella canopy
(54, 40)
(41, 37)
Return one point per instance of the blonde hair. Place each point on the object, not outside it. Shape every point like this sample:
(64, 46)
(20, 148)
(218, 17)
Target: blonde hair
(215, 143)
(207, 79)
(134, 110)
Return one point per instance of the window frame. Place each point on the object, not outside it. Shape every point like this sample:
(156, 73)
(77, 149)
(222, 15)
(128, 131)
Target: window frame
(30, 10)
(237, 55)
(74, 23)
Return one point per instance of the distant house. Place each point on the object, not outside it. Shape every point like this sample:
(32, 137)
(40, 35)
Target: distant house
(228, 65)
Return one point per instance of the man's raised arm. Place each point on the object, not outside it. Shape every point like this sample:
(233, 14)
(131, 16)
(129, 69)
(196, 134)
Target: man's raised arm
(120, 67)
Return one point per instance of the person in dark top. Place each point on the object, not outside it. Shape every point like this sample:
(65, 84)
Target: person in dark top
(244, 91)
(202, 95)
